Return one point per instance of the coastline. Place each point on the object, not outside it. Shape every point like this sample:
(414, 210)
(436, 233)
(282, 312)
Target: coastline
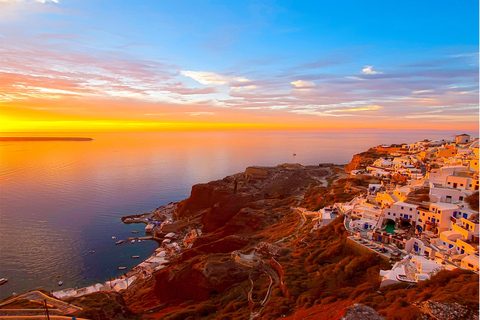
(45, 139)
(164, 225)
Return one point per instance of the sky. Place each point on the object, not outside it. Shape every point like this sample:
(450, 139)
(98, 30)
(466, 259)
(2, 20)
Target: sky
(115, 65)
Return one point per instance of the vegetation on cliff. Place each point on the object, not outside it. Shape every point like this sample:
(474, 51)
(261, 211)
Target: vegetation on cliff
(473, 201)
(364, 159)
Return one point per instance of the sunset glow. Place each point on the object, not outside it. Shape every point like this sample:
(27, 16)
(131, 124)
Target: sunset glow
(124, 66)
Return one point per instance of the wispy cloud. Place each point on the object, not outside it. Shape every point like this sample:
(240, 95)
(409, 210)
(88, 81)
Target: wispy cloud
(369, 70)
(27, 1)
(303, 84)
(369, 108)
(205, 77)
(422, 91)
(201, 113)
(32, 74)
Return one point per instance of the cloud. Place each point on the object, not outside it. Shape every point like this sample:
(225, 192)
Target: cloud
(422, 91)
(26, 10)
(369, 108)
(27, 1)
(368, 70)
(355, 78)
(303, 84)
(201, 113)
(205, 77)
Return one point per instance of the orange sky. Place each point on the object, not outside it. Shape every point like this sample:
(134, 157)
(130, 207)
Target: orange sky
(65, 67)
(64, 113)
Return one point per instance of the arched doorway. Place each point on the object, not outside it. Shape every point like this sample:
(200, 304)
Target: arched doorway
(405, 224)
(419, 229)
(389, 226)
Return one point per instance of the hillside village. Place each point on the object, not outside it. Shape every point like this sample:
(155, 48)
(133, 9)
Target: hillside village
(422, 213)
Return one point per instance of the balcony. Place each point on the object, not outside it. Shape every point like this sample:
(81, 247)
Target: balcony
(430, 223)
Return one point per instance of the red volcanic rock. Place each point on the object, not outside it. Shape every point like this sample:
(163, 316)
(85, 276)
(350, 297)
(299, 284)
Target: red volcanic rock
(211, 244)
(364, 159)
(219, 214)
(246, 221)
(224, 245)
(197, 279)
(202, 196)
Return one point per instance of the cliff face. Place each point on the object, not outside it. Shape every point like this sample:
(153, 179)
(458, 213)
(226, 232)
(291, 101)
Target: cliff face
(364, 159)
(198, 279)
(202, 196)
(219, 201)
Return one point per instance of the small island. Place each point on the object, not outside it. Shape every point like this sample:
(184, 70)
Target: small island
(44, 139)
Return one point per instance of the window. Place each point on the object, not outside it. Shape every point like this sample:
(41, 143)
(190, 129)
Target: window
(401, 208)
(388, 213)
(394, 214)
(470, 265)
(449, 182)
(460, 198)
(401, 214)
(461, 184)
(411, 217)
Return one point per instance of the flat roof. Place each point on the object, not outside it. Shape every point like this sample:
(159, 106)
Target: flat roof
(471, 260)
(406, 204)
(443, 205)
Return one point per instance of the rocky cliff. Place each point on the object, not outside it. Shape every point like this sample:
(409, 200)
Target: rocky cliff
(364, 159)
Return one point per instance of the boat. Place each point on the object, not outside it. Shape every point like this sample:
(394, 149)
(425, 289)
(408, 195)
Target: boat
(3, 280)
(139, 240)
(134, 231)
(113, 237)
(119, 242)
(92, 251)
(135, 257)
(122, 268)
(133, 241)
(60, 283)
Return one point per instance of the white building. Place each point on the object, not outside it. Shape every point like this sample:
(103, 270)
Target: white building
(462, 138)
(410, 270)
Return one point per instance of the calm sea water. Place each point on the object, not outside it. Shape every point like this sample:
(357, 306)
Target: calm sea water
(61, 199)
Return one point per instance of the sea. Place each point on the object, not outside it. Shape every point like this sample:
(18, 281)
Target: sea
(59, 200)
